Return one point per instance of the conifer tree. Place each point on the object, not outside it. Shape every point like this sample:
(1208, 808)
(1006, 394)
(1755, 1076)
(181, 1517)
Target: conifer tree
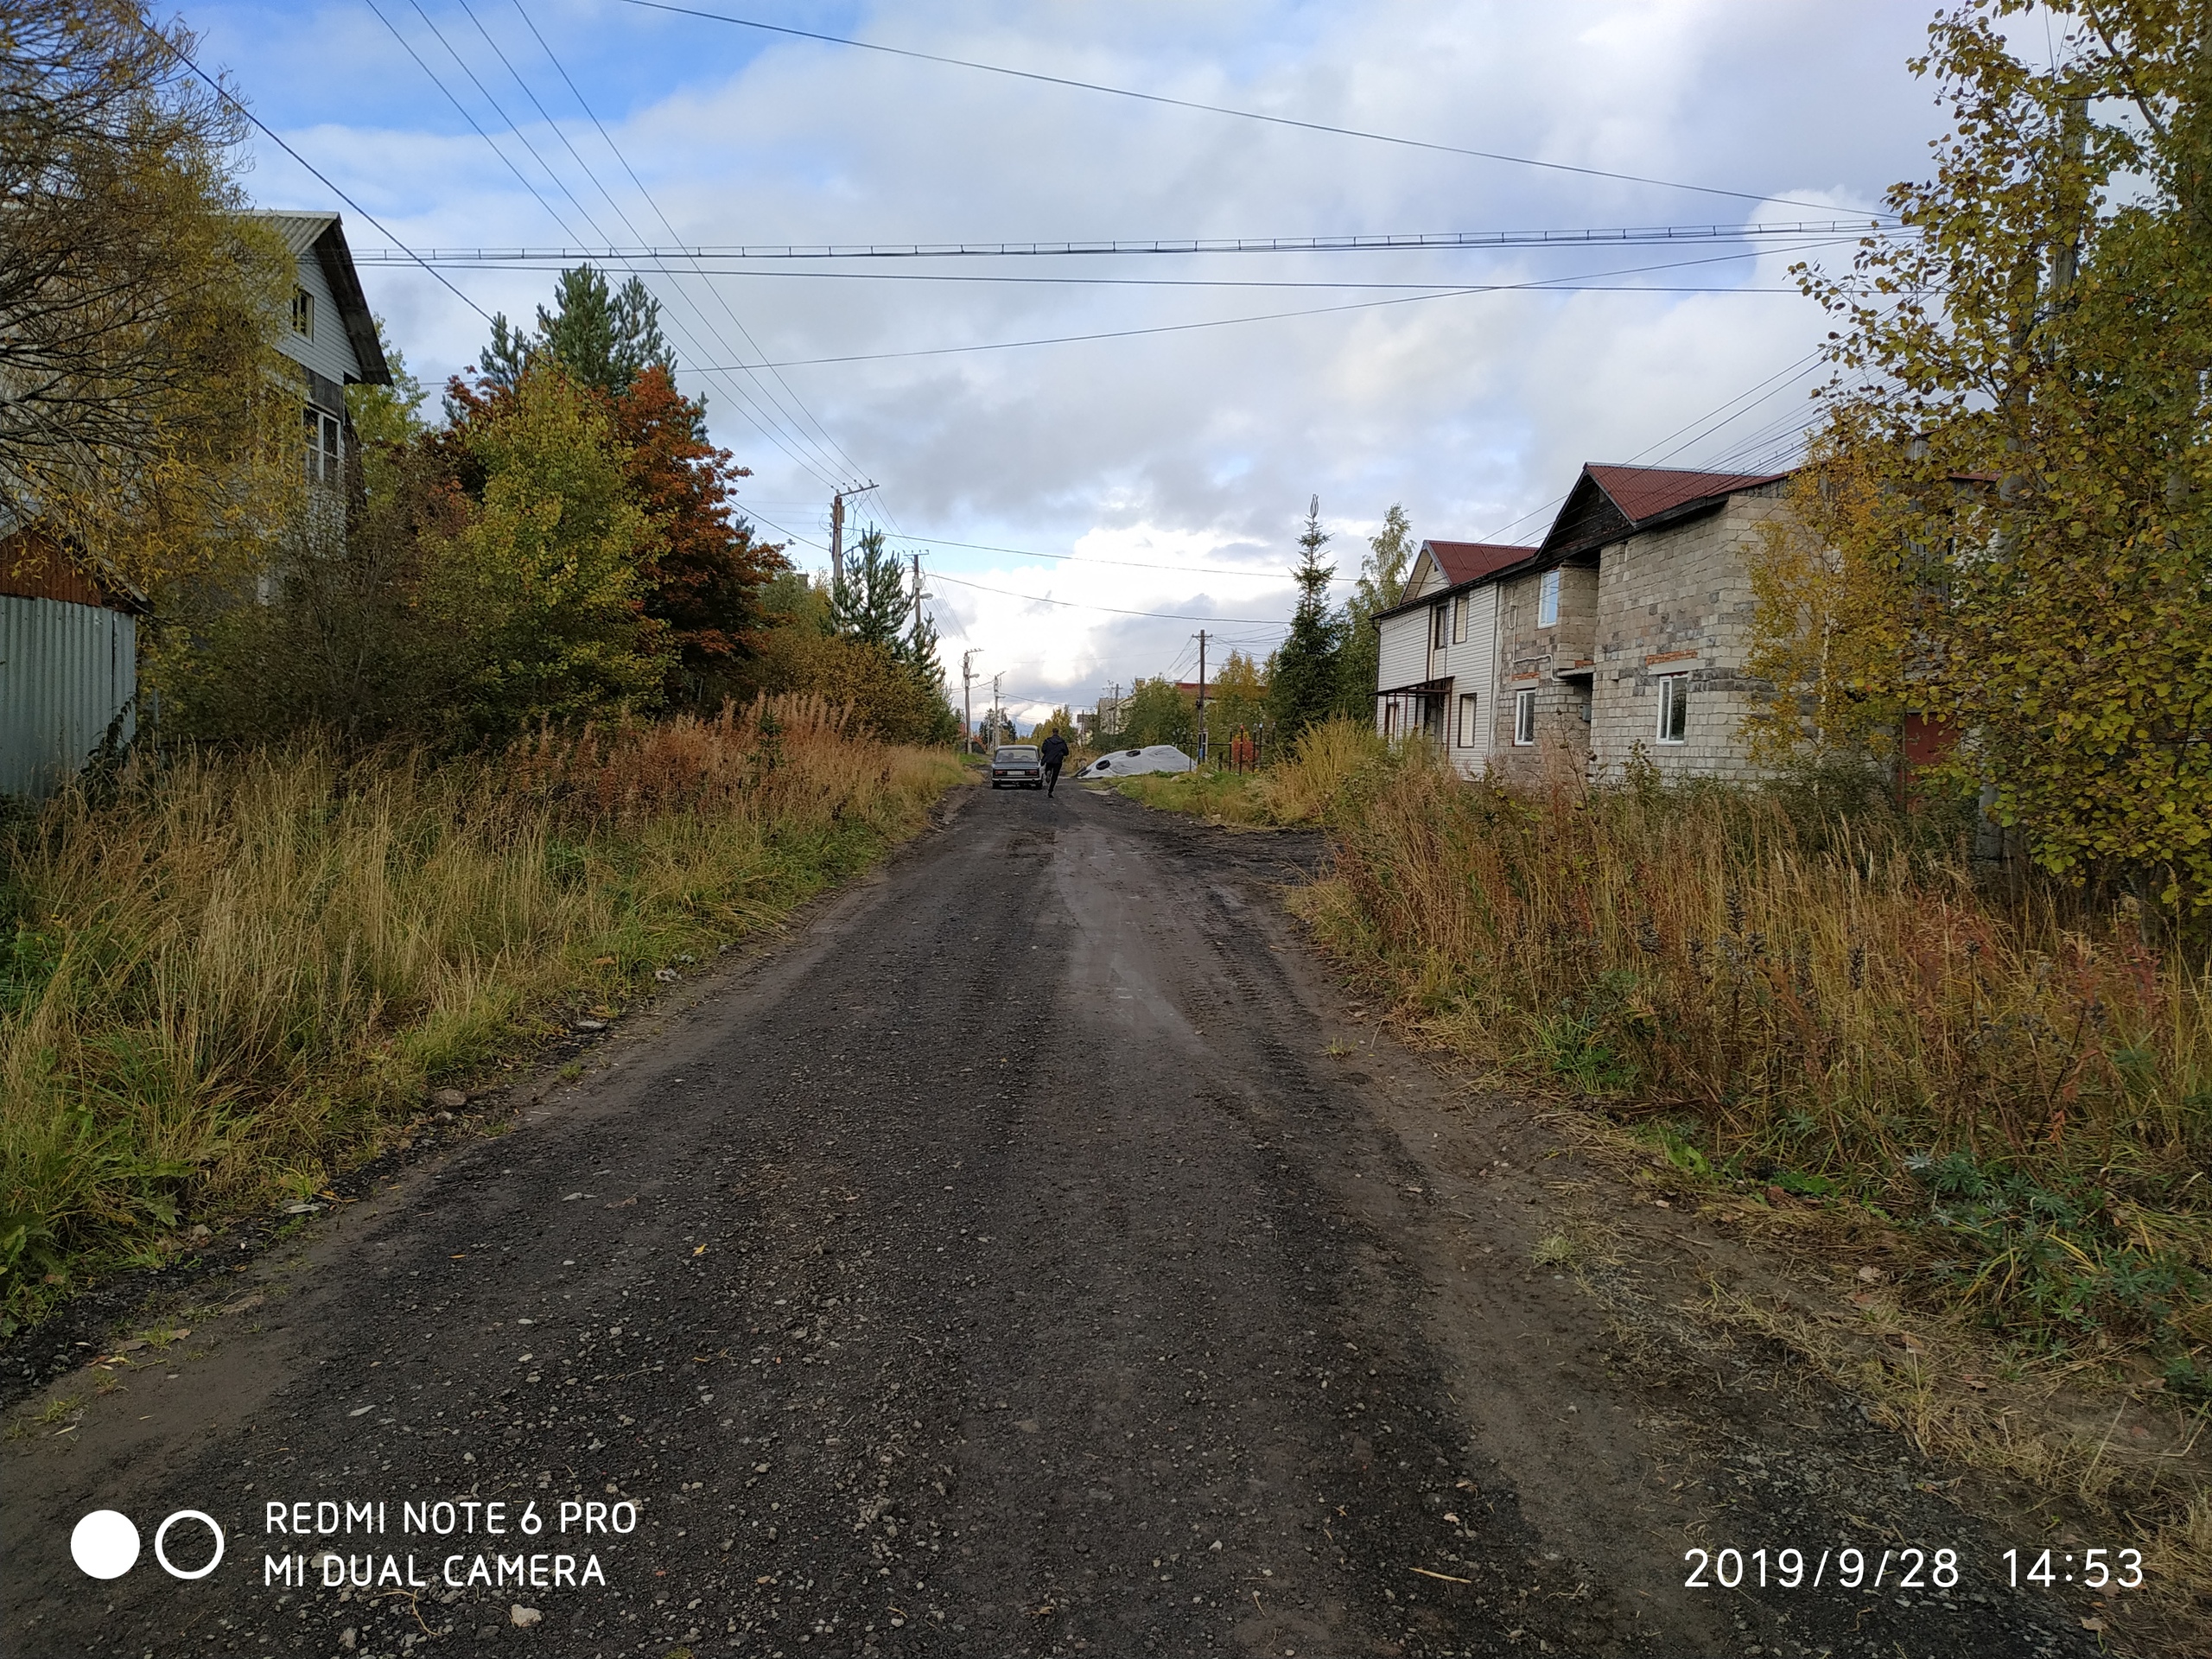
(1303, 676)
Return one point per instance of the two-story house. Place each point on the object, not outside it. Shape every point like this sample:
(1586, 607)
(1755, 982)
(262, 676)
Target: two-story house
(1624, 632)
(330, 335)
(68, 627)
(1437, 669)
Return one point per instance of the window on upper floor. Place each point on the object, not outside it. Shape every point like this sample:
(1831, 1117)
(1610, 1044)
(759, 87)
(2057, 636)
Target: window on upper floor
(1674, 708)
(1439, 620)
(1469, 738)
(303, 313)
(1459, 618)
(1524, 717)
(1547, 600)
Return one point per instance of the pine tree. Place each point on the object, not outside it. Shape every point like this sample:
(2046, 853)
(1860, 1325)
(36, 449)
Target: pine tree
(869, 598)
(603, 337)
(1303, 675)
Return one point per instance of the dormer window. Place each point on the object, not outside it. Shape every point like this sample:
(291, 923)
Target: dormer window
(303, 313)
(1547, 601)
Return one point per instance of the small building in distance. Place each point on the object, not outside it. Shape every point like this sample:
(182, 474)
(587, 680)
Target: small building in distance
(1624, 631)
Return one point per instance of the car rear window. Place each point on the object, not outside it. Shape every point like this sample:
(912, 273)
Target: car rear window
(1013, 757)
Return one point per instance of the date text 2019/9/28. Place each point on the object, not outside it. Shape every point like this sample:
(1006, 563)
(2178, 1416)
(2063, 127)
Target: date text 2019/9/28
(1908, 1569)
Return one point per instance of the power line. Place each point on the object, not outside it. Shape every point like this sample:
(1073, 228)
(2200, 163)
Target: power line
(614, 150)
(1222, 108)
(223, 93)
(1622, 236)
(766, 430)
(766, 422)
(408, 47)
(1555, 285)
(1082, 282)
(1227, 322)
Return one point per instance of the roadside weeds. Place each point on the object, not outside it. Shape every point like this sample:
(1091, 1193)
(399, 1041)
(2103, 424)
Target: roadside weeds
(241, 978)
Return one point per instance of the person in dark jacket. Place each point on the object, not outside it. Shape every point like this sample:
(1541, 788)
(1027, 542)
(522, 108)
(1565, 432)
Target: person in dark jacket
(1055, 750)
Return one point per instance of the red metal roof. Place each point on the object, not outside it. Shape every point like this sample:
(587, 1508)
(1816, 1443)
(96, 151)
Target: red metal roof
(1466, 560)
(1642, 492)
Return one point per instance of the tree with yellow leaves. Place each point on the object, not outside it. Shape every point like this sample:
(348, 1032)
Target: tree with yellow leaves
(2005, 520)
(143, 413)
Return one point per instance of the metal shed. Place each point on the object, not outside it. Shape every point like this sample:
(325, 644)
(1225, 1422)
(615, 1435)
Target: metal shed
(68, 663)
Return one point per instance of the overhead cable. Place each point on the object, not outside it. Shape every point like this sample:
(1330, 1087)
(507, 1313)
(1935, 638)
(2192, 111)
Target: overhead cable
(1414, 242)
(1222, 108)
(607, 138)
(765, 430)
(223, 93)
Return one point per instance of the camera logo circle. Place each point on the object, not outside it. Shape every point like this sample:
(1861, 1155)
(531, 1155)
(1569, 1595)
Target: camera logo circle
(105, 1544)
(204, 1520)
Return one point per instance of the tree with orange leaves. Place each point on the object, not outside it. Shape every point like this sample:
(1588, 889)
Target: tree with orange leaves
(704, 582)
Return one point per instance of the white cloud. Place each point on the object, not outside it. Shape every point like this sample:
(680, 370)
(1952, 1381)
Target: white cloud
(1184, 449)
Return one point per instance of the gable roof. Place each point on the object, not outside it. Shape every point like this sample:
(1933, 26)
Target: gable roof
(1465, 561)
(1462, 564)
(324, 235)
(1610, 501)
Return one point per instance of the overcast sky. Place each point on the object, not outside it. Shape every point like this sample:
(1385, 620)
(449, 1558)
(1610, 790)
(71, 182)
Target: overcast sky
(1175, 467)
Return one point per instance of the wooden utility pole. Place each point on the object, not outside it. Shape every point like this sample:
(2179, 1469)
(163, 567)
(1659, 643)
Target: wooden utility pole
(838, 527)
(966, 700)
(1202, 697)
(997, 714)
(917, 606)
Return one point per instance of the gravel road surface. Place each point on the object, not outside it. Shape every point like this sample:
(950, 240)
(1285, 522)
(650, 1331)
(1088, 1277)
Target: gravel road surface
(1035, 1252)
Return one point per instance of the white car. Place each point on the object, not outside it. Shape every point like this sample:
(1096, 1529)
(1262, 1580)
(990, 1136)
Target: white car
(1017, 765)
(1122, 763)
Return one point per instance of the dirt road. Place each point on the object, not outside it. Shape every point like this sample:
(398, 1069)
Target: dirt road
(1005, 1264)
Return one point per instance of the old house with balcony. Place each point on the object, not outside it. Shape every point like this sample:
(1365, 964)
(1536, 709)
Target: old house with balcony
(1624, 632)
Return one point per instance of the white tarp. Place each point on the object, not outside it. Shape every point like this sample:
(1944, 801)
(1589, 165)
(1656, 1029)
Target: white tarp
(1122, 763)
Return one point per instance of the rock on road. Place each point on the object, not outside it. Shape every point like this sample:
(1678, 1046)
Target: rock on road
(1003, 1264)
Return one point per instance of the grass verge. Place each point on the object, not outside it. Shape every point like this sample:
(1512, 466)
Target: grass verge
(1798, 1015)
(1302, 792)
(235, 973)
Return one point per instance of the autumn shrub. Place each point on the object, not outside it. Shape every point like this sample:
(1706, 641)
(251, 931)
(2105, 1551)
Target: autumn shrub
(1823, 1002)
(239, 971)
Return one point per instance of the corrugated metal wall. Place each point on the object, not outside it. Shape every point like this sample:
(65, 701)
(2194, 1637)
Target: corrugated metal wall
(65, 669)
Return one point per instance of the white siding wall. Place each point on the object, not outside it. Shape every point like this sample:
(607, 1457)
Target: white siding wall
(1473, 668)
(329, 353)
(1404, 650)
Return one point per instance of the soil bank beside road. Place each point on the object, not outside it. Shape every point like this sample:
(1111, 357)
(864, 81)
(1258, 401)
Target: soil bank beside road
(1005, 1265)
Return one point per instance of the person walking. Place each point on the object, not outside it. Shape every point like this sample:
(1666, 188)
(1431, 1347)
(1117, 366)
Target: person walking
(1054, 751)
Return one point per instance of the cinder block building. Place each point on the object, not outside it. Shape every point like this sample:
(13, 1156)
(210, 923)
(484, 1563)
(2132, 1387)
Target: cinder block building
(1625, 630)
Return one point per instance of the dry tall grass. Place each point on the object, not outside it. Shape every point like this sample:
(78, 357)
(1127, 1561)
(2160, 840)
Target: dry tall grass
(1302, 790)
(225, 979)
(1827, 1004)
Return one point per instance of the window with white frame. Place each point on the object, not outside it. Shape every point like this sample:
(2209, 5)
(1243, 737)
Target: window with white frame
(1674, 708)
(303, 313)
(1468, 736)
(322, 446)
(1439, 620)
(1547, 600)
(1524, 717)
(1460, 619)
